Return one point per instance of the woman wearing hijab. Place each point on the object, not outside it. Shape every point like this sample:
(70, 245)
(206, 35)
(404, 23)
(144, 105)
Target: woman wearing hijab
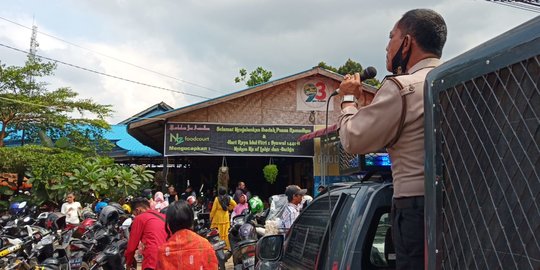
(219, 215)
(184, 248)
(241, 206)
(160, 201)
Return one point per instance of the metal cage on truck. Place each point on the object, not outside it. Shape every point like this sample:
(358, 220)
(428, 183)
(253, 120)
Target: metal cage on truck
(482, 113)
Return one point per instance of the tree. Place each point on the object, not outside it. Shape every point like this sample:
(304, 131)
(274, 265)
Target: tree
(26, 104)
(44, 166)
(53, 172)
(256, 77)
(102, 176)
(350, 67)
(327, 67)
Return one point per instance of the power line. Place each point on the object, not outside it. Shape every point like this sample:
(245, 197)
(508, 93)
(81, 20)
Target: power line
(135, 118)
(108, 75)
(113, 76)
(53, 107)
(25, 102)
(114, 58)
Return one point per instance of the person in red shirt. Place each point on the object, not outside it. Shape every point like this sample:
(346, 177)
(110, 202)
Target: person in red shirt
(148, 227)
(185, 249)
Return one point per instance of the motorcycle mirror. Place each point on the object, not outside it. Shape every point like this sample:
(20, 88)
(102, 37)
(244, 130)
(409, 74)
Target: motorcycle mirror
(43, 215)
(28, 228)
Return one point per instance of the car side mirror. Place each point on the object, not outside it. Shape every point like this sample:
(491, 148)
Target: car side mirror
(270, 247)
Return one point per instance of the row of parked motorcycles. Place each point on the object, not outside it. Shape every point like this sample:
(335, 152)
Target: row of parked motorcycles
(33, 240)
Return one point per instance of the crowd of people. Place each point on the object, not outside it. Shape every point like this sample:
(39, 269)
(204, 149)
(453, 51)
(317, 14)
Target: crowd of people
(162, 232)
(162, 226)
(415, 48)
(393, 120)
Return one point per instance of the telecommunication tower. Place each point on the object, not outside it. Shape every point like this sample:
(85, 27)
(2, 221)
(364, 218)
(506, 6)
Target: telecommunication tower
(33, 44)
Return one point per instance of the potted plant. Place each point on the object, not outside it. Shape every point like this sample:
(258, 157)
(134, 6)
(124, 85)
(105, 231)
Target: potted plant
(270, 172)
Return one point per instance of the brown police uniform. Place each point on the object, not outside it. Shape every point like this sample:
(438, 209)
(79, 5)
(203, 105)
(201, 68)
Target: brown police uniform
(395, 120)
(372, 127)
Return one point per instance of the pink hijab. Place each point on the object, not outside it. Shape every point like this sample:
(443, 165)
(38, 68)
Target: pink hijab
(160, 201)
(241, 206)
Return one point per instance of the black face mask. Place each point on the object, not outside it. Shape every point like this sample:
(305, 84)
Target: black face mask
(399, 64)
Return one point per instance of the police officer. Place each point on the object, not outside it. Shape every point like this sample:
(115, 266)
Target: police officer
(395, 120)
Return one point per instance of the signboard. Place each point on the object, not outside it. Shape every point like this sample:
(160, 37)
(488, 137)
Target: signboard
(312, 95)
(189, 139)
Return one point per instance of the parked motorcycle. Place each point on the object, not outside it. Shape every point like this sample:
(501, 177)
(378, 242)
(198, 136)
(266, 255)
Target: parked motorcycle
(45, 241)
(112, 258)
(212, 235)
(20, 253)
(110, 240)
(243, 239)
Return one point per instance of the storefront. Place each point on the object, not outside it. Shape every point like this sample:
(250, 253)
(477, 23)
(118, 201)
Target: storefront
(247, 129)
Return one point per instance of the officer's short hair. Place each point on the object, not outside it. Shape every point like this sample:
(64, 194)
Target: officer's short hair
(427, 27)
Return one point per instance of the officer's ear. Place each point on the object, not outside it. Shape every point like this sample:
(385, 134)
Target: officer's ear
(407, 44)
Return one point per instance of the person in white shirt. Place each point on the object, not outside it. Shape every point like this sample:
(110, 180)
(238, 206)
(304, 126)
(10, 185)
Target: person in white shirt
(294, 195)
(71, 209)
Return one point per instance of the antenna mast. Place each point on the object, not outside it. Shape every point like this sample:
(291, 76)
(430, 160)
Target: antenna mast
(33, 43)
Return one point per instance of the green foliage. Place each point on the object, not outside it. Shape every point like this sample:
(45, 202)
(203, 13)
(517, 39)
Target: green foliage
(39, 158)
(256, 77)
(101, 176)
(4, 190)
(44, 166)
(4, 206)
(242, 77)
(26, 104)
(350, 67)
(54, 171)
(327, 67)
(270, 172)
(142, 173)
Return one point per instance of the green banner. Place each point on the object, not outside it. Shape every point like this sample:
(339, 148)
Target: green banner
(188, 139)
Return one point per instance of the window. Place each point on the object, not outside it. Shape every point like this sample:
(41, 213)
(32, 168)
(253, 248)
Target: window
(341, 231)
(377, 247)
(380, 245)
(306, 235)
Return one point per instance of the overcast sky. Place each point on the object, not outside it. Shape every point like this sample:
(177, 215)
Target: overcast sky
(198, 46)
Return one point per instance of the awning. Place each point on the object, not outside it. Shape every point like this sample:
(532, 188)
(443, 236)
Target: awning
(318, 133)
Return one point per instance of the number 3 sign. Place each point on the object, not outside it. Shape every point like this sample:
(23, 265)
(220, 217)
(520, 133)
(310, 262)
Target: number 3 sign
(312, 95)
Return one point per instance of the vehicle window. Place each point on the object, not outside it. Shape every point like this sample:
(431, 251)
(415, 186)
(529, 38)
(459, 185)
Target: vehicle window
(341, 228)
(378, 247)
(307, 233)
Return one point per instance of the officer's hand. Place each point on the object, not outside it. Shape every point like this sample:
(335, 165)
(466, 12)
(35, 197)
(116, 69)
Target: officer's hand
(351, 85)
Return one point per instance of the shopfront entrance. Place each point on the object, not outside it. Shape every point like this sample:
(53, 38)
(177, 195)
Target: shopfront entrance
(202, 171)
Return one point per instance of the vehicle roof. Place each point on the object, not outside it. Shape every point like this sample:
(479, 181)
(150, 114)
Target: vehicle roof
(349, 187)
